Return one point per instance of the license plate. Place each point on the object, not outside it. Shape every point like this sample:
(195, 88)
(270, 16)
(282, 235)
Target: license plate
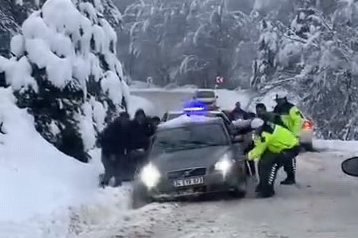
(188, 182)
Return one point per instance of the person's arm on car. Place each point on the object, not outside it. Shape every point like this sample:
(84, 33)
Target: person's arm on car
(240, 123)
(260, 147)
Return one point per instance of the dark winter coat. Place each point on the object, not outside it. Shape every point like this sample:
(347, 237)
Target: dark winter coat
(140, 134)
(283, 109)
(238, 113)
(114, 138)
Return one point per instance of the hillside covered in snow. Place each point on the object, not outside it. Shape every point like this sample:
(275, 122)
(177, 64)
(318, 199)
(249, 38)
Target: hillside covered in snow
(46, 194)
(61, 86)
(308, 47)
(64, 70)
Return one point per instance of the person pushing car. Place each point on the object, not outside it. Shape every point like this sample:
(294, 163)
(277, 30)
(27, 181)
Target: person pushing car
(292, 119)
(273, 145)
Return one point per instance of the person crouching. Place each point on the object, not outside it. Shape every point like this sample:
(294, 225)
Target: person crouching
(274, 145)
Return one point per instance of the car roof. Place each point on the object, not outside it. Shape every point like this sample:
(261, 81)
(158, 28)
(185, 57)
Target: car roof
(185, 120)
(205, 90)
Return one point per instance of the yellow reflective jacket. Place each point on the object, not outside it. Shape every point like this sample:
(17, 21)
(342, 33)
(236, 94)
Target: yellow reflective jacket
(291, 117)
(274, 138)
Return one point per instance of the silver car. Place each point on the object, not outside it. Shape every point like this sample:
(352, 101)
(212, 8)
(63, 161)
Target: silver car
(189, 158)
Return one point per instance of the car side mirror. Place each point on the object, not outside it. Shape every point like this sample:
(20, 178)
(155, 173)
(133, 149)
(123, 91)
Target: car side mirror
(350, 166)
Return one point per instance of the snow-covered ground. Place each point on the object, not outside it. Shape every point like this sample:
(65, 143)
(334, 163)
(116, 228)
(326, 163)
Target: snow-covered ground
(44, 193)
(322, 205)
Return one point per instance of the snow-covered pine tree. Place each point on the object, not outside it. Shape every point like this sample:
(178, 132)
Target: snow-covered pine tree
(264, 67)
(212, 44)
(335, 80)
(65, 71)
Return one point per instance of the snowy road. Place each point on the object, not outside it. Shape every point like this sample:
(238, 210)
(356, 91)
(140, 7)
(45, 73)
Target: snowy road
(322, 205)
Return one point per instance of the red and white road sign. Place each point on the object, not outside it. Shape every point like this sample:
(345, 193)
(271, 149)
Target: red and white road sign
(219, 79)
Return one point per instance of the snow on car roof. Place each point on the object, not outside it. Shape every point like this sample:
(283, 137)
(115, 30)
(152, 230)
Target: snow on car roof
(184, 119)
(175, 112)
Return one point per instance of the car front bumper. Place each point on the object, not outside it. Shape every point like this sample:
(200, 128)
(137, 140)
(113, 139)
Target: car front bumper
(213, 183)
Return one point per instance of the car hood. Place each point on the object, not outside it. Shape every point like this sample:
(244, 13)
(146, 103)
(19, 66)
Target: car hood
(201, 157)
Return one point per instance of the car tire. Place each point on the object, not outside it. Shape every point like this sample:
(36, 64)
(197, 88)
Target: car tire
(140, 196)
(241, 190)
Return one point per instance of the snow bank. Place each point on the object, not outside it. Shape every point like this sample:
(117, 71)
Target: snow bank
(68, 51)
(227, 98)
(46, 194)
(36, 177)
(336, 145)
(140, 85)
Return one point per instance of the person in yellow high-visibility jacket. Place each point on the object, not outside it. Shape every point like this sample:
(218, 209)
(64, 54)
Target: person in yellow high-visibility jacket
(292, 119)
(274, 145)
(290, 115)
(289, 165)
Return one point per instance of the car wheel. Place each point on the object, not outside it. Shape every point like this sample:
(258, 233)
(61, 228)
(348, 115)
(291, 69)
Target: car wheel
(140, 196)
(240, 190)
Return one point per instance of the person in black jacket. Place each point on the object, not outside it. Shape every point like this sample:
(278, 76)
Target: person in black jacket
(141, 129)
(238, 113)
(114, 143)
(263, 114)
(155, 121)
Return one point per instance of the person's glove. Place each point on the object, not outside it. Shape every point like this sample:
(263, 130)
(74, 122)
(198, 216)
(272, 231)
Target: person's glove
(247, 157)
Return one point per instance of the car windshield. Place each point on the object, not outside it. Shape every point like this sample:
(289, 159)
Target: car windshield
(205, 94)
(189, 137)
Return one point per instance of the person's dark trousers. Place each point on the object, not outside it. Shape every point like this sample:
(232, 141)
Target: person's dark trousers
(289, 164)
(108, 161)
(116, 166)
(267, 168)
(121, 169)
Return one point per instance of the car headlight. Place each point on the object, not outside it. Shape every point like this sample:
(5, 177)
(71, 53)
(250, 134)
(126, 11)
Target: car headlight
(224, 164)
(150, 175)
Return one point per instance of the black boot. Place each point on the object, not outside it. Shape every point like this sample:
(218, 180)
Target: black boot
(258, 188)
(289, 181)
(265, 193)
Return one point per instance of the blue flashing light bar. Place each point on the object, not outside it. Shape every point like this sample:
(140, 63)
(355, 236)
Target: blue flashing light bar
(195, 107)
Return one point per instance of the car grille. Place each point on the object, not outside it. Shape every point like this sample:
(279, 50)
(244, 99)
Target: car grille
(186, 173)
